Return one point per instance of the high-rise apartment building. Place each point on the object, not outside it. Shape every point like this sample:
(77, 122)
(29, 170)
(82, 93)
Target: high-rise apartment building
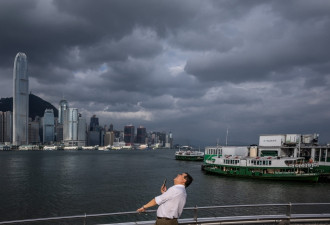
(48, 126)
(129, 133)
(20, 100)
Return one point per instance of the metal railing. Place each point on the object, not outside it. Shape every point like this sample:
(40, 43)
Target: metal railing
(286, 215)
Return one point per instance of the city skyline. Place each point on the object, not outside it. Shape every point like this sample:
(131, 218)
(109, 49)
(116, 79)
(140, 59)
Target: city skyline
(195, 68)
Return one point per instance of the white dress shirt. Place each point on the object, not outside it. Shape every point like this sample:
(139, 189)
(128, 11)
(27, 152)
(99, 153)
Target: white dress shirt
(171, 202)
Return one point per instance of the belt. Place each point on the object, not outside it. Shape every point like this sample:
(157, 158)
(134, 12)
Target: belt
(165, 218)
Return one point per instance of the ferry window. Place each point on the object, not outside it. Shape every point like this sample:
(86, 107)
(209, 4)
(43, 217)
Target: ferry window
(270, 162)
(263, 162)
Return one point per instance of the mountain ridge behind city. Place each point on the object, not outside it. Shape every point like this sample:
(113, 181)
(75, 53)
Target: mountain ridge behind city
(37, 106)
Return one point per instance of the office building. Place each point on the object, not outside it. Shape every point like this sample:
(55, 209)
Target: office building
(74, 128)
(70, 127)
(94, 123)
(59, 133)
(62, 110)
(94, 133)
(129, 135)
(34, 131)
(6, 127)
(20, 100)
(48, 126)
(109, 138)
(82, 129)
(141, 134)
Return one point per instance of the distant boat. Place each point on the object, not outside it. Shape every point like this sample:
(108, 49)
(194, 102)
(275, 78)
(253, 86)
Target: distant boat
(189, 155)
(89, 147)
(50, 148)
(71, 148)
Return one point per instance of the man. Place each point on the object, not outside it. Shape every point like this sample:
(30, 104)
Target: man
(171, 201)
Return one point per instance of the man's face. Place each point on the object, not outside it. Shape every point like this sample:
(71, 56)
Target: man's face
(180, 179)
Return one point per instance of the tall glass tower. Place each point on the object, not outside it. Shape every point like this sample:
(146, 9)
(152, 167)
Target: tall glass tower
(48, 126)
(62, 110)
(20, 100)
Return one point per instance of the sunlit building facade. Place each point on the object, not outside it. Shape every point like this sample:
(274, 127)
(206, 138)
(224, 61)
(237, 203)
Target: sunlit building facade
(74, 128)
(20, 100)
(70, 126)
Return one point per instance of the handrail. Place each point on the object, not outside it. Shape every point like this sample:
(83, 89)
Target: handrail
(195, 209)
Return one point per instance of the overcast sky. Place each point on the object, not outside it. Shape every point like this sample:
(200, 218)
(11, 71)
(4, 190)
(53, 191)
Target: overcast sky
(194, 68)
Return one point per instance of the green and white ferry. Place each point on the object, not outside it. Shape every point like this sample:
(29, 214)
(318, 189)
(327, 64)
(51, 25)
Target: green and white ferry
(187, 153)
(218, 160)
(287, 154)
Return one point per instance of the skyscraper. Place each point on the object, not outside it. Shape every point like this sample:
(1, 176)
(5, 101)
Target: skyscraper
(94, 124)
(64, 105)
(129, 134)
(20, 100)
(48, 126)
(141, 134)
(70, 126)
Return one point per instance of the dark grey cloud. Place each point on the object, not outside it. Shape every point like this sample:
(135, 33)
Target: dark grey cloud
(194, 67)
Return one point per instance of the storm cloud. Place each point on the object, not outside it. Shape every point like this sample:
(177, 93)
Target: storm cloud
(195, 68)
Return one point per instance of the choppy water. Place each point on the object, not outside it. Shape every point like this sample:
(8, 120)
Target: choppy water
(35, 184)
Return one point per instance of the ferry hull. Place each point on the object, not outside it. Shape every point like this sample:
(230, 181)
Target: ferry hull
(310, 177)
(189, 158)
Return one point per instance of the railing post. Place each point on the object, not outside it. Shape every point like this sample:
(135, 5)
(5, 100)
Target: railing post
(288, 211)
(195, 213)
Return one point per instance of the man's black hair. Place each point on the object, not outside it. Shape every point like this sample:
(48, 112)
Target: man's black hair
(189, 179)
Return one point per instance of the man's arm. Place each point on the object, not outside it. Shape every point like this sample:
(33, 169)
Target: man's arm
(148, 205)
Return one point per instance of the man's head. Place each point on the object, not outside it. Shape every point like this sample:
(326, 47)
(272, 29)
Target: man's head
(184, 179)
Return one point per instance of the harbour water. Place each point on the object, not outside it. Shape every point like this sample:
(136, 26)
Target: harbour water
(37, 184)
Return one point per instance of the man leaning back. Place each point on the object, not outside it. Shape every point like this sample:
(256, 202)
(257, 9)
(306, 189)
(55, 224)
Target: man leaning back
(171, 202)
